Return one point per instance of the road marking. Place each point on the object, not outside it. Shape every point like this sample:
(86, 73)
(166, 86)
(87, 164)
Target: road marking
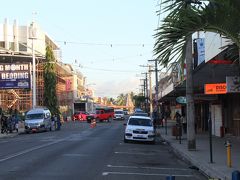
(144, 174)
(75, 155)
(30, 150)
(144, 154)
(159, 168)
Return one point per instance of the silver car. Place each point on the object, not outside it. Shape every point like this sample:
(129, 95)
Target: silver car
(38, 119)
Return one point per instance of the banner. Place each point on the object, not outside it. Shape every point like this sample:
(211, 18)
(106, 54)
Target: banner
(14, 76)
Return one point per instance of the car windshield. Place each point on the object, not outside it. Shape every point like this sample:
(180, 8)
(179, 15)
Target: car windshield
(140, 122)
(118, 112)
(34, 116)
(141, 114)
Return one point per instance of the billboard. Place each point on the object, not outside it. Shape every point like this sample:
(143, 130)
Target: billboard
(15, 76)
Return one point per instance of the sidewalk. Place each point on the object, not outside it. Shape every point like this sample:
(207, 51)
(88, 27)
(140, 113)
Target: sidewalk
(201, 157)
(20, 131)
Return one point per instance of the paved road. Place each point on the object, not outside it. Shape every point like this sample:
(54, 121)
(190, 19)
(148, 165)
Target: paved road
(80, 152)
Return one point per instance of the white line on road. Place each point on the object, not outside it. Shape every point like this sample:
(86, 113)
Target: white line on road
(30, 150)
(75, 155)
(144, 174)
(143, 154)
(158, 168)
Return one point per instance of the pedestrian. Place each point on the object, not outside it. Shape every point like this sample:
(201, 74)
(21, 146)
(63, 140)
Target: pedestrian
(184, 123)
(177, 117)
(58, 122)
(16, 119)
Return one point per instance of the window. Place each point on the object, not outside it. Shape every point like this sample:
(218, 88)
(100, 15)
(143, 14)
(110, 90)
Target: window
(22, 46)
(140, 122)
(34, 116)
(2, 44)
(11, 46)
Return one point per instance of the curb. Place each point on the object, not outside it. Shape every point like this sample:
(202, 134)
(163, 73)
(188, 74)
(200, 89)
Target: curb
(203, 167)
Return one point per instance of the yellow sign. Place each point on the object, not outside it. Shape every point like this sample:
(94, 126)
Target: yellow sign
(219, 88)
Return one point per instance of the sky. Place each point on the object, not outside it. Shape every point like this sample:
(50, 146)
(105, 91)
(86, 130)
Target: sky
(106, 40)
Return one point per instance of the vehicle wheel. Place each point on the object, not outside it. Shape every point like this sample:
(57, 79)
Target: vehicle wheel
(125, 140)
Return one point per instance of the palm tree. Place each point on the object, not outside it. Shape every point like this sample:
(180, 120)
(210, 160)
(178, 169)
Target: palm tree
(220, 16)
(174, 37)
(121, 99)
(50, 80)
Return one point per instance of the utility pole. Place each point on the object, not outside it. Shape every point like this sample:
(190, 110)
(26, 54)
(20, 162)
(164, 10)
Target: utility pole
(143, 92)
(146, 88)
(33, 36)
(189, 97)
(156, 84)
(150, 90)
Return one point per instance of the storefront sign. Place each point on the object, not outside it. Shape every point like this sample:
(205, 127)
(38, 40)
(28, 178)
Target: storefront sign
(14, 76)
(233, 84)
(219, 88)
(181, 100)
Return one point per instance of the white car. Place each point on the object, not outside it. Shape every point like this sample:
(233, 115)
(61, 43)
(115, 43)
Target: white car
(139, 128)
(118, 114)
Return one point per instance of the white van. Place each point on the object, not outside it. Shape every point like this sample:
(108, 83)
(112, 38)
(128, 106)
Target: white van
(118, 114)
(38, 119)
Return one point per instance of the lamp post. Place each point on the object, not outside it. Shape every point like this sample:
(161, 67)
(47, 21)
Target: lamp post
(32, 35)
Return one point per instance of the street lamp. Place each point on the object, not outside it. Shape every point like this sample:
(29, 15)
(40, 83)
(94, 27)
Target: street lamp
(33, 36)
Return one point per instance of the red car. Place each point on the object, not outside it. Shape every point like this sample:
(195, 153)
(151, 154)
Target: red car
(81, 116)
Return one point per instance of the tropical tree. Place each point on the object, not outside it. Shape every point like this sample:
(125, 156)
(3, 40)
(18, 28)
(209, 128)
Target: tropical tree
(121, 99)
(50, 80)
(184, 19)
(138, 100)
(174, 37)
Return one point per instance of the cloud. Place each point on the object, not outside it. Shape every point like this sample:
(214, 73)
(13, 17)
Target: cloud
(115, 87)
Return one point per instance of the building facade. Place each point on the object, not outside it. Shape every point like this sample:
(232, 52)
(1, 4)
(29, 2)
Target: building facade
(211, 98)
(16, 69)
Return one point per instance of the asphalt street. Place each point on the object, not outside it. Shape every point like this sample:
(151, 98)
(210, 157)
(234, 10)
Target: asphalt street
(80, 152)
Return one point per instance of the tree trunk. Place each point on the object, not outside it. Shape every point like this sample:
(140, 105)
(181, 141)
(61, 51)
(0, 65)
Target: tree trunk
(189, 96)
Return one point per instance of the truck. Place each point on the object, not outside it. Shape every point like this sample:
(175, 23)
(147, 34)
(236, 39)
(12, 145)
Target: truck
(101, 114)
(82, 107)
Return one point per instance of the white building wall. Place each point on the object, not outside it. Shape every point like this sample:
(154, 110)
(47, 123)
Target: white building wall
(75, 91)
(21, 33)
(213, 44)
(1, 32)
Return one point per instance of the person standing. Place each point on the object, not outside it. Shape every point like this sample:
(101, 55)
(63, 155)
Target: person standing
(58, 122)
(184, 123)
(16, 119)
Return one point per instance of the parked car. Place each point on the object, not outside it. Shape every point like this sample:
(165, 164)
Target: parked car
(38, 119)
(139, 128)
(81, 116)
(118, 114)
